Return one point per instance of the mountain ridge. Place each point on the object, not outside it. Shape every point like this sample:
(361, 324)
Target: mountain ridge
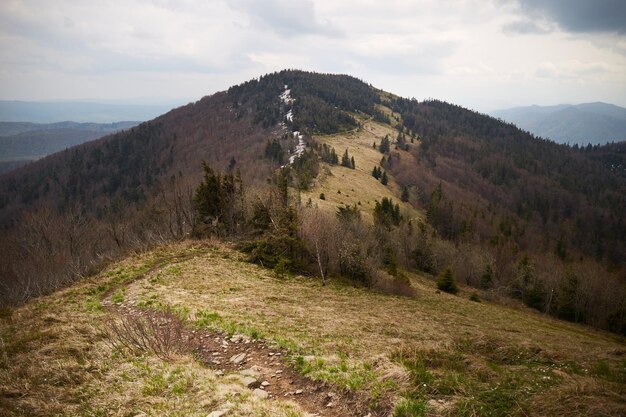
(581, 124)
(477, 194)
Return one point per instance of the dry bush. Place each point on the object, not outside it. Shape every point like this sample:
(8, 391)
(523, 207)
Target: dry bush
(388, 284)
(163, 335)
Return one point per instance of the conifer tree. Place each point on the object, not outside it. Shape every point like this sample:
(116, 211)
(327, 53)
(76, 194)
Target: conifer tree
(345, 160)
(384, 144)
(383, 179)
(446, 282)
(405, 194)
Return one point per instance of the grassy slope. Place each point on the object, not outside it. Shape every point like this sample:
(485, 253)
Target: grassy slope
(357, 185)
(445, 351)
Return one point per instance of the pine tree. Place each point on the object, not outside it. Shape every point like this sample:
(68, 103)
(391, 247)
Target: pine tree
(384, 144)
(345, 160)
(405, 194)
(376, 172)
(352, 164)
(446, 282)
(383, 179)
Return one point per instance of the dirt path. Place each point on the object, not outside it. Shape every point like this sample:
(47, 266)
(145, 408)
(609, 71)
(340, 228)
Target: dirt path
(260, 365)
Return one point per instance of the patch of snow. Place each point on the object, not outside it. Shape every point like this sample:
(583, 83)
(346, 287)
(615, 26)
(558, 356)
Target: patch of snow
(300, 147)
(286, 96)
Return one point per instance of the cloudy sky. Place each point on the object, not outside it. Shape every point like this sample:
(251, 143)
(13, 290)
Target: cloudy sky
(478, 53)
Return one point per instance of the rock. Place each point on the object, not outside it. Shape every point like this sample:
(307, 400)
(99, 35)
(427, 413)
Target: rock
(279, 371)
(218, 413)
(299, 391)
(309, 358)
(264, 384)
(250, 372)
(219, 372)
(237, 359)
(248, 381)
(330, 404)
(260, 393)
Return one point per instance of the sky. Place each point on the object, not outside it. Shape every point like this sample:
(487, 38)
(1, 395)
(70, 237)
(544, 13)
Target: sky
(482, 54)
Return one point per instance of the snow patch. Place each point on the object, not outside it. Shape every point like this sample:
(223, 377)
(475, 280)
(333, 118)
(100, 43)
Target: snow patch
(300, 147)
(286, 98)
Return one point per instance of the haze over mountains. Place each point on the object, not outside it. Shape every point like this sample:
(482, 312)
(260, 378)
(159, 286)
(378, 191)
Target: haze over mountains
(22, 142)
(78, 111)
(31, 130)
(595, 123)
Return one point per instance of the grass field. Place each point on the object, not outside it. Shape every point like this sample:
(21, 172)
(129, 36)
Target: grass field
(344, 186)
(434, 354)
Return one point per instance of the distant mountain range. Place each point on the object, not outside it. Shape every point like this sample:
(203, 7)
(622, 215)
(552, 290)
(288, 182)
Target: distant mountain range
(22, 142)
(77, 111)
(595, 123)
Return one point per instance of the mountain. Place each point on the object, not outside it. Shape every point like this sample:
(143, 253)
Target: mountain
(369, 182)
(595, 123)
(313, 217)
(78, 111)
(21, 142)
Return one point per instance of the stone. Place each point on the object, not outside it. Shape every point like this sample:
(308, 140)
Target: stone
(299, 391)
(248, 381)
(264, 384)
(237, 359)
(250, 372)
(260, 393)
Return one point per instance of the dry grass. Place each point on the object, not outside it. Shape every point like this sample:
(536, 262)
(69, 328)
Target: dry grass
(56, 361)
(342, 185)
(345, 327)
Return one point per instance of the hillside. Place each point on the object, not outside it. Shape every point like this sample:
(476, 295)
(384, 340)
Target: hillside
(595, 123)
(193, 329)
(323, 174)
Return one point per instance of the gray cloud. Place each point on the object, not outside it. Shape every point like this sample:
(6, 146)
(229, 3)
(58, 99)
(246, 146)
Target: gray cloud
(526, 27)
(580, 15)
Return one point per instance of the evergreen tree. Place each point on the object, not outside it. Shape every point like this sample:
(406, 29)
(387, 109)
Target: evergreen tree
(274, 151)
(486, 280)
(218, 202)
(376, 172)
(383, 179)
(352, 164)
(386, 213)
(346, 161)
(446, 282)
(384, 144)
(405, 194)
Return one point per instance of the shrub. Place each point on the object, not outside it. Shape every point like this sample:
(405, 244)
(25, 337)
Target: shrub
(352, 263)
(474, 297)
(446, 282)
